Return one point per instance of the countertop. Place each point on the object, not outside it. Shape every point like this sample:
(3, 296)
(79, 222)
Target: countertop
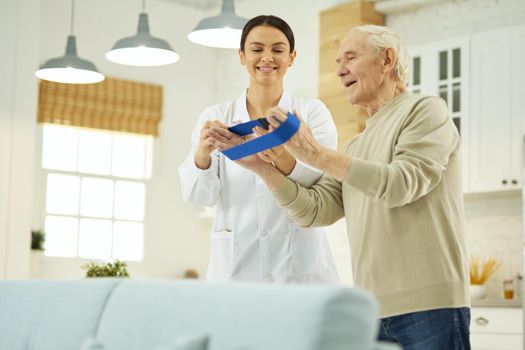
(487, 302)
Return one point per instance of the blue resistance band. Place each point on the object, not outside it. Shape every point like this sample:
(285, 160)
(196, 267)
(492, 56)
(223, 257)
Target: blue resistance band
(244, 129)
(277, 137)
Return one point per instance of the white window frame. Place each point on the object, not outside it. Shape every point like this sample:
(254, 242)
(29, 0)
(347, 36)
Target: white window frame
(40, 213)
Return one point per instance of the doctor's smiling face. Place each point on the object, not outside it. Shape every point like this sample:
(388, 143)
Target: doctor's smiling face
(267, 54)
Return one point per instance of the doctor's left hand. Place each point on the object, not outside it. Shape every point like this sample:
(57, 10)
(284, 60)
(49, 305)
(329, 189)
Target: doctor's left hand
(222, 138)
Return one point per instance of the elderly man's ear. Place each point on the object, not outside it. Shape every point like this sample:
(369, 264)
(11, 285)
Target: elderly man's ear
(389, 60)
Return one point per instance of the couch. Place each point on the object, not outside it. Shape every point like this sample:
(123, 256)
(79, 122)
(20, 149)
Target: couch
(129, 314)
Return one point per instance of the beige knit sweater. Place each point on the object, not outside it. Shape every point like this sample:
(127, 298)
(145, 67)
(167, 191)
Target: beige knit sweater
(403, 204)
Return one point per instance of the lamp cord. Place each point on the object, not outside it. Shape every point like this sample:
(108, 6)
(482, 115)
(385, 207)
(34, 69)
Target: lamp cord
(143, 5)
(72, 15)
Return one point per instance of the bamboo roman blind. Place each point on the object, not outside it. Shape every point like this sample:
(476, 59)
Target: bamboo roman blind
(113, 104)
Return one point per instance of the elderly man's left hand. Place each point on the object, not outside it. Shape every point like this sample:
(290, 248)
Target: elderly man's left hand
(305, 147)
(303, 144)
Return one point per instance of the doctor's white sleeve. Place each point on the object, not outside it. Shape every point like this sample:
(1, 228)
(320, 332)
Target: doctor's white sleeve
(319, 120)
(200, 186)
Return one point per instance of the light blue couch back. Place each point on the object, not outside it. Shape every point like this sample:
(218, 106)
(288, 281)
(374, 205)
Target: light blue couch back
(145, 314)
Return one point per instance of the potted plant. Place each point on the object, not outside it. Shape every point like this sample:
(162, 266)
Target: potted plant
(38, 238)
(109, 269)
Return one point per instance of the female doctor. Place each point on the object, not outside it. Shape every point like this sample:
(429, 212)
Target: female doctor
(252, 238)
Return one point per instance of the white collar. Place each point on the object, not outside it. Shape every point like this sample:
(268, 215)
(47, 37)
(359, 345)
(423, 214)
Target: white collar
(241, 109)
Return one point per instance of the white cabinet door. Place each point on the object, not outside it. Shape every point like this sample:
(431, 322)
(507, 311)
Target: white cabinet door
(493, 140)
(518, 102)
(493, 328)
(496, 342)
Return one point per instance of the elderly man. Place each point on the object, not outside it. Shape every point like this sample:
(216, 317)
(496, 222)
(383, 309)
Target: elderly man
(398, 184)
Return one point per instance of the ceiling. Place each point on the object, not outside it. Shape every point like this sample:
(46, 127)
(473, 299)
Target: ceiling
(200, 4)
(385, 6)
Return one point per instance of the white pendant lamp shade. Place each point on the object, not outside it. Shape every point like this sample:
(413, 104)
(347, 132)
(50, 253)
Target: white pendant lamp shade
(70, 68)
(142, 49)
(223, 31)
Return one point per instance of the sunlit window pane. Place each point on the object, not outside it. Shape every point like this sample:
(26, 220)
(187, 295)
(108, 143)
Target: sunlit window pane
(128, 156)
(94, 152)
(62, 194)
(59, 148)
(129, 200)
(61, 236)
(96, 198)
(95, 239)
(128, 241)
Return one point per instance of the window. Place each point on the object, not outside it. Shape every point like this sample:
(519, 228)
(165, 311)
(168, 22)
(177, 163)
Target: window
(95, 191)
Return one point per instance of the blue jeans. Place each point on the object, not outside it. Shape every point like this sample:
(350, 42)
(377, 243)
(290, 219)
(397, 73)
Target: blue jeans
(440, 329)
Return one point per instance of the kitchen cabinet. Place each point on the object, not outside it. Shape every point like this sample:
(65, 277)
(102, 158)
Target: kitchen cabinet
(493, 328)
(481, 77)
(497, 112)
(442, 69)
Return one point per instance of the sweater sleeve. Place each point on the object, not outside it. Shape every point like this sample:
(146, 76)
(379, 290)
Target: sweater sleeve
(319, 120)
(421, 154)
(319, 205)
(200, 186)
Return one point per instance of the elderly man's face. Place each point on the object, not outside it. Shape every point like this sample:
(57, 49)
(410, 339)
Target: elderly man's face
(359, 69)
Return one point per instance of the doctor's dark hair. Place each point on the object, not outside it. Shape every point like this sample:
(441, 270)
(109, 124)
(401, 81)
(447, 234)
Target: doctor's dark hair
(268, 20)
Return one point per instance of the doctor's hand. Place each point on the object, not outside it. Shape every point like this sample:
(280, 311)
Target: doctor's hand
(221, 138)
(303, 144)
(206, 143)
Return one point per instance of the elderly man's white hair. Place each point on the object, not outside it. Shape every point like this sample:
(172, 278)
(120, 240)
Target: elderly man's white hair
(380, 37)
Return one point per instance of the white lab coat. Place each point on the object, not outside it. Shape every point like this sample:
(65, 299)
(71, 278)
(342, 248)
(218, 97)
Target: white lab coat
(252, 238)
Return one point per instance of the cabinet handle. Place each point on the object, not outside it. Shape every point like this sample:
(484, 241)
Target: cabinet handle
(504, 181)
(514, 182)
(482, 321)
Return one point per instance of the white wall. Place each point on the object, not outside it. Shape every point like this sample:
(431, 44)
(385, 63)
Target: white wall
(450, 18)
(494, 230)
(19, 37)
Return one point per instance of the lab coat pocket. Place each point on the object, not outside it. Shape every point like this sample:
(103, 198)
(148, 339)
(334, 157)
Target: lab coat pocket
(221, 260)
(308, 252)
(275, 256)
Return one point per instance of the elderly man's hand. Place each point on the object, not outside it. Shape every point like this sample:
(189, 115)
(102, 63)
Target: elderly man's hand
(303, 144)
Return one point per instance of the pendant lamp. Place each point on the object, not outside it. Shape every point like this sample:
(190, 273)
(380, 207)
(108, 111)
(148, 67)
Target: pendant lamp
(142, 49)
(70, 68)
(222, 31)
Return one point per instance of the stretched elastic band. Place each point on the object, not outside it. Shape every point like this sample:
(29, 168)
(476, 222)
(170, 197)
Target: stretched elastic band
(275, 138)
(246, 128)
